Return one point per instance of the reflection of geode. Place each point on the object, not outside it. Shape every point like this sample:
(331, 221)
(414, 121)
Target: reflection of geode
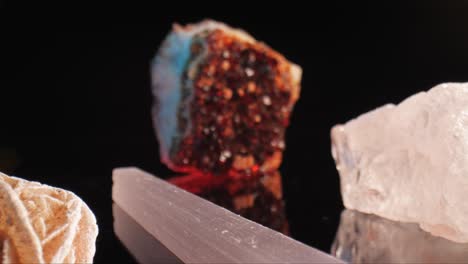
(259, 199)
(43, 224)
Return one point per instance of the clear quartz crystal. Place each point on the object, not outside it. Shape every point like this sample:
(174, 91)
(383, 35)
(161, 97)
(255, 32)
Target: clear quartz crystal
(409, 162)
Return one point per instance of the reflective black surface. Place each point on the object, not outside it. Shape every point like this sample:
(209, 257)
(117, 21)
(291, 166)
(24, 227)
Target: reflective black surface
(364, 238)
(75, 97)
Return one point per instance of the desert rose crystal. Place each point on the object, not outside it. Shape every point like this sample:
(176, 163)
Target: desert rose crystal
(409, 162)
(43, 224)
(222, 100)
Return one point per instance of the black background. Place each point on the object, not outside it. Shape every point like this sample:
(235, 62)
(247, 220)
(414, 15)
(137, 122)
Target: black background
(75, 89)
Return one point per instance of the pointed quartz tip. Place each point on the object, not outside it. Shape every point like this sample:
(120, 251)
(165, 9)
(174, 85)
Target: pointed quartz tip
(409, 162)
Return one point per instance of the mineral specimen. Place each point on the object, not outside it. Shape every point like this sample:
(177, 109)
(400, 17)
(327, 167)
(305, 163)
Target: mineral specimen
(364, 238)
(222, 100)
(258, 199)
(410, 162)
(141, 244)
(198, 231)
(42, 224)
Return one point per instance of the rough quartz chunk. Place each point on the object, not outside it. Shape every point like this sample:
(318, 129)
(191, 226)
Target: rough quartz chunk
(410, 162)
(222, 100)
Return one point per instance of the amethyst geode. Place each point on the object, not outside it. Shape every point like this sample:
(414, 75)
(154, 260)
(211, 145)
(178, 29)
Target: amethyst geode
(222, 100)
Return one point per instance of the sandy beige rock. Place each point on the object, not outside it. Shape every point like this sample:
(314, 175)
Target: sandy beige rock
(43, 224)
(409, 162)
